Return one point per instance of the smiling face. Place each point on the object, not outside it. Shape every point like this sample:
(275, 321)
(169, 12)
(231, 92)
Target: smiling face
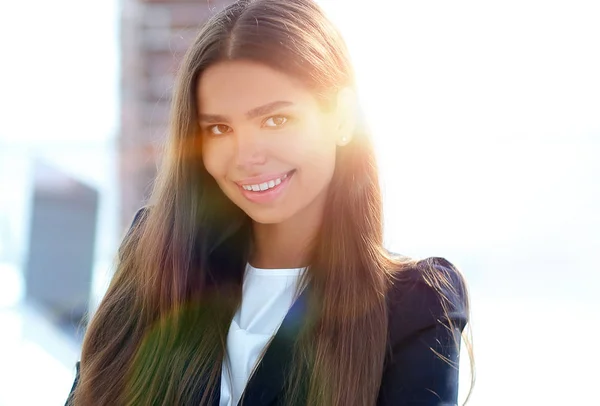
(266, 140)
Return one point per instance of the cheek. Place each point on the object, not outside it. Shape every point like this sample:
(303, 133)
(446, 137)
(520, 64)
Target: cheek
(314, 141)
(213, 164)
(319, 165)
(321, 150)
(317, 159)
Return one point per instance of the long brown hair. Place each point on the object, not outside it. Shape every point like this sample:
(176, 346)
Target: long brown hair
(160, 332)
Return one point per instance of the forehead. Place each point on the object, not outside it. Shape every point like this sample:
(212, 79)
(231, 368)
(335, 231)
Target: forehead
(234, 87)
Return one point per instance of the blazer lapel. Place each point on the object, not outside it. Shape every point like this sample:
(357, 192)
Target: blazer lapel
(269, 377)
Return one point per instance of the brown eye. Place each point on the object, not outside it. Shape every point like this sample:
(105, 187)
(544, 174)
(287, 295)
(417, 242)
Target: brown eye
(275, 121)
(218, 129)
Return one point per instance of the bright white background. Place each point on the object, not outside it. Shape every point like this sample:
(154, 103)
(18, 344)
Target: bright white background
(59, 102)
(487, 122)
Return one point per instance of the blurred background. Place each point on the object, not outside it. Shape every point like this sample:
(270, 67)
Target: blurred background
(486, 117)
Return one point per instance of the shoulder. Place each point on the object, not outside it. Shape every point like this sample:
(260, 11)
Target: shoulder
(427, 309)
(425, 294)
(140, 216)
(138, 220)
(135, 227)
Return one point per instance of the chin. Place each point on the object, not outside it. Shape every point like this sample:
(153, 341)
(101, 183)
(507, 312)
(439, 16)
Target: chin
(267, 216)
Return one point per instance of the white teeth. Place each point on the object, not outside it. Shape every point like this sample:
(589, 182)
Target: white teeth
(265, 185)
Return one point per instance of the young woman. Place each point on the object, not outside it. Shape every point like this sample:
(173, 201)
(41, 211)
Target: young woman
(257, 274)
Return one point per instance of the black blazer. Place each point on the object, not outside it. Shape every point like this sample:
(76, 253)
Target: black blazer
(414, 373)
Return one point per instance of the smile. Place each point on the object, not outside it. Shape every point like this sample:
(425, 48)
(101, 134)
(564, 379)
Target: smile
(267, 191)
(270, 184)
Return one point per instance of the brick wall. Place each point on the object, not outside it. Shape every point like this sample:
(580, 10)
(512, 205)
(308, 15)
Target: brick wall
(154, 37)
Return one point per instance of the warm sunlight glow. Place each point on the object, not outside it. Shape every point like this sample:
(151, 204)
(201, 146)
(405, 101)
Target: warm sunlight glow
(460, 97)
(486, 118)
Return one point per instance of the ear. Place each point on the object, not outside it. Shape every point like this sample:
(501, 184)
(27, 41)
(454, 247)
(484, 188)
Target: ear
(346, 110)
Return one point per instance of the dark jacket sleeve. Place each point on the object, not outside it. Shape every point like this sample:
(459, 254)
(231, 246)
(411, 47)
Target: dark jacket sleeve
(70, 398)
(139, 216)
(421, 368)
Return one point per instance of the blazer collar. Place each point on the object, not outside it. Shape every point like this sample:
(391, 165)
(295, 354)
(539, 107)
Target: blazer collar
(268, 379)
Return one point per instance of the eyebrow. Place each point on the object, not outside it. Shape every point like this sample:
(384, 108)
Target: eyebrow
(255, 112)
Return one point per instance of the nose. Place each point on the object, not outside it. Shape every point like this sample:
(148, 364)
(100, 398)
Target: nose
(250, 150)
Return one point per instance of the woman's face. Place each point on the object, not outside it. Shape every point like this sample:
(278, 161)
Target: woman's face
(266, 140)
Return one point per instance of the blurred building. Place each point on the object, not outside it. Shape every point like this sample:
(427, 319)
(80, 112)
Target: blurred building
(155, 34)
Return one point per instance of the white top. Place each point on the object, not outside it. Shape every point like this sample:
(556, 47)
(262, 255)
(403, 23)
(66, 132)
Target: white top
(267, 296)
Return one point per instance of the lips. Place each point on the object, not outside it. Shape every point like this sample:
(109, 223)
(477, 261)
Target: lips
(264, 182)
(268, 190)
(266, 185)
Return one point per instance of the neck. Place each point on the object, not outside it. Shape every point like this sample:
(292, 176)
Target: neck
(286, 244)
